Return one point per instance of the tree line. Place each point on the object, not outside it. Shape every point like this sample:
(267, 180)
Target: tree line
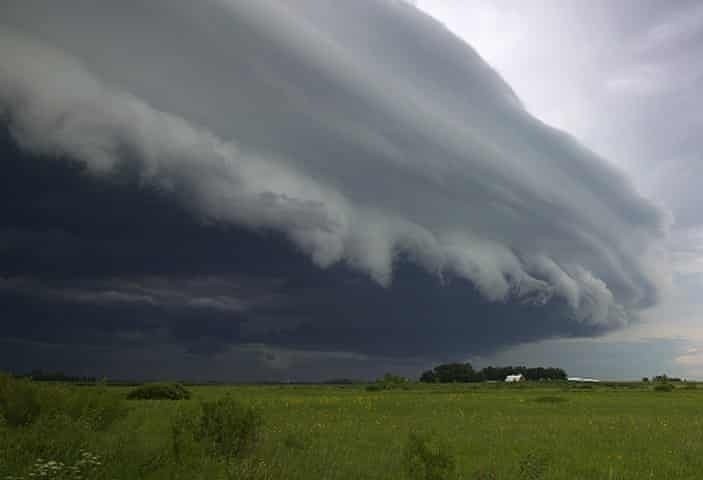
(42, 376)
(464, 373)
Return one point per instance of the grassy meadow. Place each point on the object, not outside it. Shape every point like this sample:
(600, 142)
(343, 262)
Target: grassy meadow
(461, 431)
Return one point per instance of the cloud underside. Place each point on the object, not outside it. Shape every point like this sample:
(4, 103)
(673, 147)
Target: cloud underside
(330, 176)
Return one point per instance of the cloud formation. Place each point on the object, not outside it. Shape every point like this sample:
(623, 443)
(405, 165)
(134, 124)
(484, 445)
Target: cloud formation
(365, 133)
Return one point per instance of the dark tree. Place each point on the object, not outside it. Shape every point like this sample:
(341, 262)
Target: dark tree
(464, 372)
(428, 376)
(454, 372)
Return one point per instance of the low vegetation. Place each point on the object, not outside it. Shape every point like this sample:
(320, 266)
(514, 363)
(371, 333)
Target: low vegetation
(550, 399)
(23, 403)
(427, 457)
(159, 391)
(487, 431)
(19, 402)
(388, 382)
(228, 428)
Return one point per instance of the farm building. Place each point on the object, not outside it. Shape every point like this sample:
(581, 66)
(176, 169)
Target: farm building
(515, 378)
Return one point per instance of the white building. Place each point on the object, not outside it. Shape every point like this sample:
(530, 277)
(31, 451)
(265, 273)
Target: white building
(515, 378)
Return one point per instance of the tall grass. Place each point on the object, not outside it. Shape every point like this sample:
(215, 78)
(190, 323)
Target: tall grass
(228, 428)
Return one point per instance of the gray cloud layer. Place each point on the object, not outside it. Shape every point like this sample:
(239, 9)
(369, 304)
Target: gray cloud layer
(360, 130)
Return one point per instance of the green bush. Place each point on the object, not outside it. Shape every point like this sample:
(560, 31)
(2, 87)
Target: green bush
(228, 428)
(426, 458)
(159, 391)
(663, 387)
(19, 401)
(22, 401)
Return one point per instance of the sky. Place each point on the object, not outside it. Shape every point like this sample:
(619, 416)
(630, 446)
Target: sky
(243, 191)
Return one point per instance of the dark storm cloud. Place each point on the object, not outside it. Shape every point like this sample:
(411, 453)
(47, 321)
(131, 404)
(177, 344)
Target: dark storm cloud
(345, 177)
(150, 273)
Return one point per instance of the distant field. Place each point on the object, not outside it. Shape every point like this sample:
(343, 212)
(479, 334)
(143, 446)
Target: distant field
(488, 431)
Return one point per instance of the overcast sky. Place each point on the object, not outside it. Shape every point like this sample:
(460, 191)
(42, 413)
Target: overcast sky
(273, 190)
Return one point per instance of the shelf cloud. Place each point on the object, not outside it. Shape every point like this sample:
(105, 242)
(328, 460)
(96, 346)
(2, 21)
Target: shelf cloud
(387, 160)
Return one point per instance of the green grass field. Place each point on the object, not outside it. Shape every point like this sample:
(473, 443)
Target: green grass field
(488, 431)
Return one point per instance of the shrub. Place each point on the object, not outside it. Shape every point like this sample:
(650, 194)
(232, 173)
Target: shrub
(95, 408)
(533, 466)
(663, 387)
(19, 401)
(426, 458)
(374, 387)
(159, 391)
(228, 428)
